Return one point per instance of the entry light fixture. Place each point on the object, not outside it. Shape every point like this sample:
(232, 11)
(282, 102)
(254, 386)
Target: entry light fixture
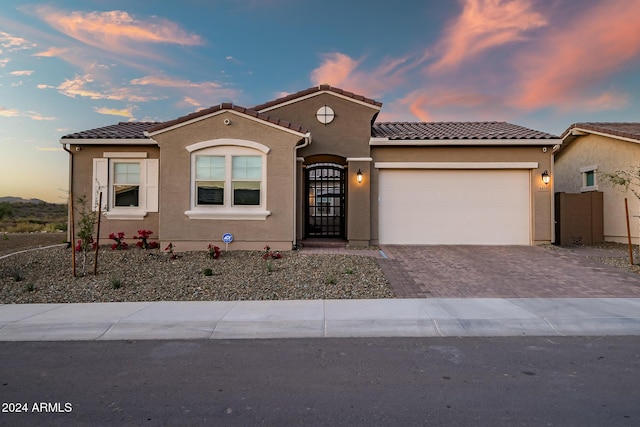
(359, 176)
(545, 177)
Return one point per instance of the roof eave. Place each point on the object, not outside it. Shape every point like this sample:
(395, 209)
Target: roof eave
(108, 141)
(216, 113)
(377, 141)
(320, 92)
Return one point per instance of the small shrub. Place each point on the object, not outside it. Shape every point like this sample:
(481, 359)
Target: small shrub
(116, 283)
(331, 280)
(29, 287)
(17, 276)
(143, 236)
(169, 249)
(207, 272)
(269, 255)
(119, 244)
(214, 251)
(5, 236)
(348, 271)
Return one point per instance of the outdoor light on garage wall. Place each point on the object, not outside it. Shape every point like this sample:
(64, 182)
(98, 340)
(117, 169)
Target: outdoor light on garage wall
(545, 177)
(359, 176)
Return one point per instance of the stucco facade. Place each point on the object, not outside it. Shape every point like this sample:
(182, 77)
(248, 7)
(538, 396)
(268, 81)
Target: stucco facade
(594, 149)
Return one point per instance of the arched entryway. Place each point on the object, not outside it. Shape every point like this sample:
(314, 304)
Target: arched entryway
(325, 200)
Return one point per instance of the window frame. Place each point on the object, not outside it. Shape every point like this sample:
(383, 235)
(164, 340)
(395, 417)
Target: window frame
(104, 181)
(584, 172)
(228, 210)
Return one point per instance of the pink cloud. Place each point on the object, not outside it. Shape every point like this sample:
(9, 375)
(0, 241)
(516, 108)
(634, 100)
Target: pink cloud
(340, 70)
(577, 54)
(485, 24)
(52, 52)
(335, 70)
(116, 30)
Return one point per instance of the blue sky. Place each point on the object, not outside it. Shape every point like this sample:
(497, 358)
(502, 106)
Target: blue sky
(67, 66)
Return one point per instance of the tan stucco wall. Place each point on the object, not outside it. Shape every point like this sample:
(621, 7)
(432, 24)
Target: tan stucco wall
(82, 185)
(175, 163)
(610, 155)
(542, 195)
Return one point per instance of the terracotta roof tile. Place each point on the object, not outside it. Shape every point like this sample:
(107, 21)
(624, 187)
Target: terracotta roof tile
(122, 130)
(313, 90)
(455, 130)
(229, 106)
(625, 130)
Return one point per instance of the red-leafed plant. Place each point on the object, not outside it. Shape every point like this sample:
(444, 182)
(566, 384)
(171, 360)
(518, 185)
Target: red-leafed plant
(119, 244)
(269, 255)
(169, 249)
(214, 251)
(143, 236)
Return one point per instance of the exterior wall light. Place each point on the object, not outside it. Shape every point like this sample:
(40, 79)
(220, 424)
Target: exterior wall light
(359, 176)
(545, 177)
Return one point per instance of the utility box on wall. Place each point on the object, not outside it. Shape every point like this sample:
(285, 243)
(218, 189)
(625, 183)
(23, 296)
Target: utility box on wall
(579, 218)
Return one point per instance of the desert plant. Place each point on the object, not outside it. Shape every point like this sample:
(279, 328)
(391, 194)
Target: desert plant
(17, 276)
(29, 287)
(331, 279)
(169, 249)
(348, 271)
(207, 272)
(5, 236)
(116, 283)
(119, 244)
(214, 251)
(86, 224)
(143, 236)
(269, 255)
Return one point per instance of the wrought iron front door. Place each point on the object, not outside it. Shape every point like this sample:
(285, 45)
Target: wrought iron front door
(325, 210)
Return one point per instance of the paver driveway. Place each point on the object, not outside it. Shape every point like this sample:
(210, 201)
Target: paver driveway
(502, 272)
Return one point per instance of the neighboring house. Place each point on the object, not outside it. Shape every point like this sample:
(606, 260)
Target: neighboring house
(588, 150)
(315, 164)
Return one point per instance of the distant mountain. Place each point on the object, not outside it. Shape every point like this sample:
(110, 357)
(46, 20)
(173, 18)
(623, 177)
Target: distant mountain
(11, 199)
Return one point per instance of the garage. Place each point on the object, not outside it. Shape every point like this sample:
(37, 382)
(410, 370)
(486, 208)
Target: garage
(455, 206)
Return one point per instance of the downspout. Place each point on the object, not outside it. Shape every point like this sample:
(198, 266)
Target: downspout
(71, 232)
(307, 141)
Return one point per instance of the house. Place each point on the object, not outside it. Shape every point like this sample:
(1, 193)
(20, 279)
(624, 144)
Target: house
(587, 151)
(315, 164)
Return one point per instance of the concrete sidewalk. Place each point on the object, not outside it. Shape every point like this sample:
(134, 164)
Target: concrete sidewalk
(321, 318)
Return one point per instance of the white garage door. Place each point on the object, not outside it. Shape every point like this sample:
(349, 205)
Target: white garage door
(485, 207)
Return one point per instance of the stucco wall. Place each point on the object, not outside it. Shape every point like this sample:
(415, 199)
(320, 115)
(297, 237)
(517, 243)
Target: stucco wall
(82, 185)
(610, 155)
(175, 163)
(541, 194)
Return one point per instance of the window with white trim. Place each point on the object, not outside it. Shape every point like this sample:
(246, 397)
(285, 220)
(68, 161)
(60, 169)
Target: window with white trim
(129, 185)
(228, 182)
(589, 178)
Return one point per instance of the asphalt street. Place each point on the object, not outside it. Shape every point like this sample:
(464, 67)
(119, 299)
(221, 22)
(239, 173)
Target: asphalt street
(503, 381)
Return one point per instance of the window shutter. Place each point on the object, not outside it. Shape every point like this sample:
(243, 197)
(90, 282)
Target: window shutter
(100, 183)
(151, 186)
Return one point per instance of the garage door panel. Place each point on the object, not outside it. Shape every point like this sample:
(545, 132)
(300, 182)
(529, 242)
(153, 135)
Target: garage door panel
(454, 207)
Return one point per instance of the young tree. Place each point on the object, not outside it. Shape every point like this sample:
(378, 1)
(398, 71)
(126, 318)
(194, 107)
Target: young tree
(627, 178)
(86, 224)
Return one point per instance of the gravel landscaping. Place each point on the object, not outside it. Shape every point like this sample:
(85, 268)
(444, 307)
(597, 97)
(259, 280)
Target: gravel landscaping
(44, 276)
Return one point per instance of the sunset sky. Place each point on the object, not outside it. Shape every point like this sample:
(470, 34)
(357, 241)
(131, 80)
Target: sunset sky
(67, 66)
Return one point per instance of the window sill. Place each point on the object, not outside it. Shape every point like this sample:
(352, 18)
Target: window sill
(228, 213)
(135, 215)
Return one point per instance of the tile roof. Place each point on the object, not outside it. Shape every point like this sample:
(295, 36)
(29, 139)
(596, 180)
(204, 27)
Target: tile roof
(455, 130)
(122, 130)
(312, 90)
(625, 130)
(228, 106)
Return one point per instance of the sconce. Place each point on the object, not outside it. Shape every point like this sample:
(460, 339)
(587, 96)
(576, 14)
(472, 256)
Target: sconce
(359, 176)
(545, 177)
